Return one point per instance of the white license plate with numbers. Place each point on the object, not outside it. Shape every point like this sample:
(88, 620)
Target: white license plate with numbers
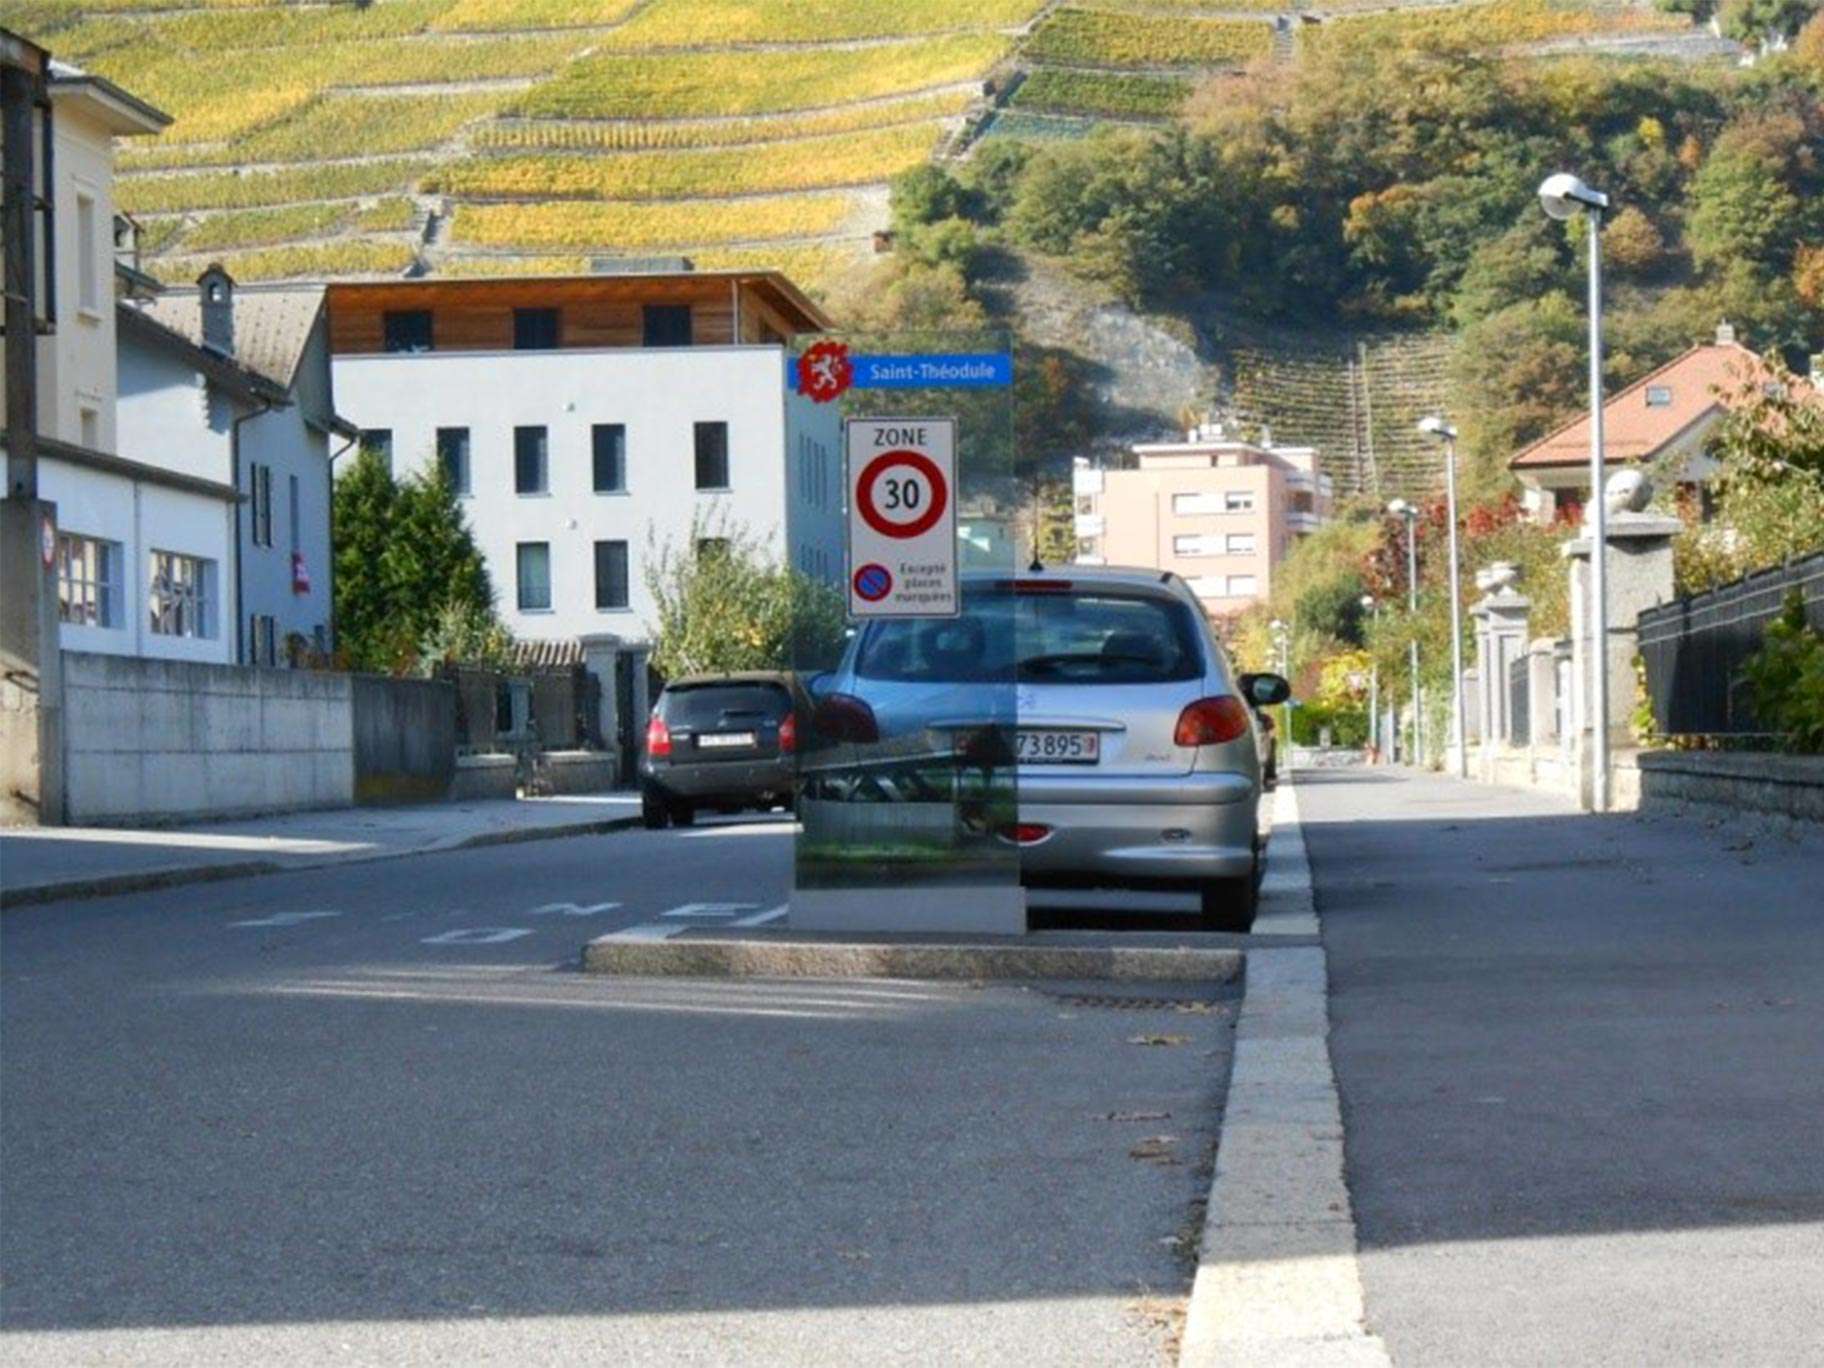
(711, 740)
(1034, 747)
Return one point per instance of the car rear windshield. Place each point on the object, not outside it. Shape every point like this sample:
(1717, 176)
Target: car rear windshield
(710, 705)
(1070, 637)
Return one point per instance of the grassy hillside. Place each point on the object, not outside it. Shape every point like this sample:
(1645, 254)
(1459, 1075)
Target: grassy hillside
(494, 136)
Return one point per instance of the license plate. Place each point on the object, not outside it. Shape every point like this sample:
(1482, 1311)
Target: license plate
(1057, 747)
(712, 740)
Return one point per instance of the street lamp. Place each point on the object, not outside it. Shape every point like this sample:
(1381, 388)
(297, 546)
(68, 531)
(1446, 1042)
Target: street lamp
(1402, 509)
(1373, 609)
(1562, 196)
(1282, 639)
(1439, 430)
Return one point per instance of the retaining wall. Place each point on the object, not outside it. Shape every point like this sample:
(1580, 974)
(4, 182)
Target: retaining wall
(1790, 786)
(154, 741)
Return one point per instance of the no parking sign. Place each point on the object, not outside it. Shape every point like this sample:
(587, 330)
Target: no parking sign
(902, 517)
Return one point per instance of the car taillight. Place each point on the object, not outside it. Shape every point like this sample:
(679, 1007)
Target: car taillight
(1211, 721)
(788, 733)
(1025, 833)
(658, 738)
(843, 717)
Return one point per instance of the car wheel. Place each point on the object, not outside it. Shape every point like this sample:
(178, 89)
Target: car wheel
(683, 814)
(653, 812)
(1229, 904)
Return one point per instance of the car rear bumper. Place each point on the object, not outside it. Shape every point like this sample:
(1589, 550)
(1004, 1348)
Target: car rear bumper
(732, 780)
(1180, 830)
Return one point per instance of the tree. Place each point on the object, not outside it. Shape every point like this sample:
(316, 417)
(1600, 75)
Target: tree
(431, 561)
(737, 608)
(364, 502)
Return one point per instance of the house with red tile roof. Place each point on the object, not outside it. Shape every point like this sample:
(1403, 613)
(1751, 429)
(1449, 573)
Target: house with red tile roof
(1665, 418)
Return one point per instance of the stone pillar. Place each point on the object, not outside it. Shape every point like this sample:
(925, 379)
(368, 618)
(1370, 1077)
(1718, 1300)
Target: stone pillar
(1541, 693)
(1506, 613)
(1640, 577)
(599, 653)
(31, 667)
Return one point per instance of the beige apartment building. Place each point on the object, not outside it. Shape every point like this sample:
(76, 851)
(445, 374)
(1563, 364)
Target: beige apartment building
(1220, 511)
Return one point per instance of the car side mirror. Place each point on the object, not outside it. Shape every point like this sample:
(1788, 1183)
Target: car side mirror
(1264, 690)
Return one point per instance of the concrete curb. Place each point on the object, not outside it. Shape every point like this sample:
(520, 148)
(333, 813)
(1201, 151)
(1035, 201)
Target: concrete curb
(685, 957)
(1277, 1278)
(175, 876)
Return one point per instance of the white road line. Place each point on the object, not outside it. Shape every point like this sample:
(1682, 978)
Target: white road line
(771, 914)
(287, 919)
(708, 909)
(477, 935)
(570, 909)
(1277, 1277)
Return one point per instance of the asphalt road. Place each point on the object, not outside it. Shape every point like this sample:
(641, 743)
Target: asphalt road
(375, 1115)
(1582, 1070)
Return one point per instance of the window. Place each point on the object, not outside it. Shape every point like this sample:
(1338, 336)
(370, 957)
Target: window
(611, 574)
(88, 581)
(296, 513)
(453, 456)
(1240, 544)
(87, 255)
(181, 595)
(1238, 501)
(1659, 396)
(666, 325)
(712, 455)
(1193, 546)
(263, 640)
(407, 330)
(380, 442)
(609, 444)
(529, 463)
(260, 501)
(1242, 586)
(536, 329)
(534, 570)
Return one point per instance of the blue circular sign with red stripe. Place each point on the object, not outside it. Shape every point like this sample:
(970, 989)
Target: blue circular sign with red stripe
(873, 582)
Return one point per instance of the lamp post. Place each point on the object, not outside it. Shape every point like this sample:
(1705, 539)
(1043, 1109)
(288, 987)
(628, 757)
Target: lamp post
(1282, 641)
(1562, 196)
(1436, 428)
(1373, 609)
(1400, 508)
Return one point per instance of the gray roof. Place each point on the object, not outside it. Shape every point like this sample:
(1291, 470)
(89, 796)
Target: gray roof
(271, 325)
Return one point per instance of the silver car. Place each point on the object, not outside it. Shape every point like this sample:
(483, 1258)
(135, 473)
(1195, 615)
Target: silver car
(1133, 742)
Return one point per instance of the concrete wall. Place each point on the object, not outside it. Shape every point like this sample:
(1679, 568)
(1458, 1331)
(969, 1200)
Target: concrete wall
(1790, 786)
(404, 739)
(150, 741)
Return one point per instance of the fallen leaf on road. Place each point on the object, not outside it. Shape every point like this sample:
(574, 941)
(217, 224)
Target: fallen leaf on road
(1156, 1149)
(1158, 1040)
(1200, 1009)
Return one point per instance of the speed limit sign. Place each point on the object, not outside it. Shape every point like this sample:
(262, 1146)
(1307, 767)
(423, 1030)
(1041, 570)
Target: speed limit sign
(902, 517)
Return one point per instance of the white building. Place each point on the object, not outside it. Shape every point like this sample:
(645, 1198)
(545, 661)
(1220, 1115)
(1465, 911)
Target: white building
(590, 423)
(279, 442)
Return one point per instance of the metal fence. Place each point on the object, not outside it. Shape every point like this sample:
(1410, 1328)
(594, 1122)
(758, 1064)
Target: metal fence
(1519, 702)
(1694, 649)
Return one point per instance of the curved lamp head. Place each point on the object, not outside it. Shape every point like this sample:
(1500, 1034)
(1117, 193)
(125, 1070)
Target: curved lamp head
(1435, 426)
(1563, 195)
(1368, 602)
(1401, 509)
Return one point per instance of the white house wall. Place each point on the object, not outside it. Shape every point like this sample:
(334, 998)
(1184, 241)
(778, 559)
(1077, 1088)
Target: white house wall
(659, 394)
(290, 446)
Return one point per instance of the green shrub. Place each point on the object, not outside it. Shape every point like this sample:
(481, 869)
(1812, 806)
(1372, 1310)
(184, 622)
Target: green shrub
(1787, 678)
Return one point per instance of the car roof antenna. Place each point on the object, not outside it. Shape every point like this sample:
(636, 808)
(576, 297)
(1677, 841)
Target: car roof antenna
(1037, 566)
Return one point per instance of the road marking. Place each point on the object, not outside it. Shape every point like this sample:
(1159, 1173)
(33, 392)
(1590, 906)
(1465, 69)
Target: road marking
(771, 914)
(570, 909)
(478, 935)
(708, 909)
(650, 931)
(287, 919)
(1278, 1280)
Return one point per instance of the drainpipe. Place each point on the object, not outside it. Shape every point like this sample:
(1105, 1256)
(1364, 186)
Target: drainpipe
(234, 458)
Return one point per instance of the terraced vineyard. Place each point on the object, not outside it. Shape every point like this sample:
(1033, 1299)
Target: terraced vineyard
(320, 137)
(495, 136)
